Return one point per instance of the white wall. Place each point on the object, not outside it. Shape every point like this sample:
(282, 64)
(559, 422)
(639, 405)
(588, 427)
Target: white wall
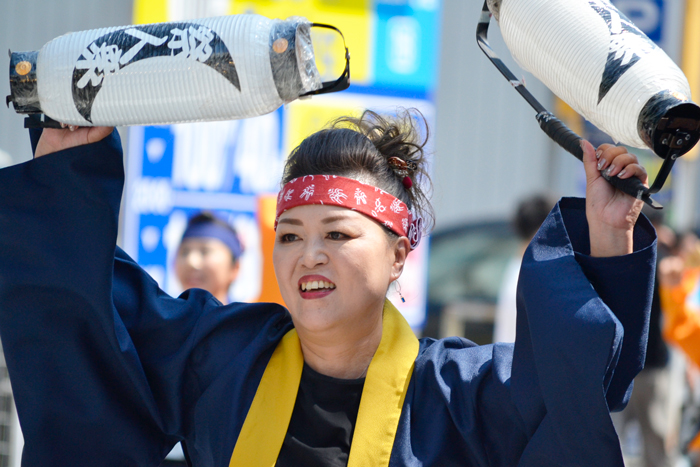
(27, 25)
(489, 148)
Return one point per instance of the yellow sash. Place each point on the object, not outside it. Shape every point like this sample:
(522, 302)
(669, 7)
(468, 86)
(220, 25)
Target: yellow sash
(387, 380)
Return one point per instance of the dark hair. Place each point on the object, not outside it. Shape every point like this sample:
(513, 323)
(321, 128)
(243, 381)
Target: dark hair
(530, 214)
(206, 217)
(360, 148)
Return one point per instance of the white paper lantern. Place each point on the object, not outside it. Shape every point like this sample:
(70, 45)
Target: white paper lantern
(596, 60)
(200, 70)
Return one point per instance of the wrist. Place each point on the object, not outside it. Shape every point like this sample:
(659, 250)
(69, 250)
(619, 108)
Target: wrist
(609, 241)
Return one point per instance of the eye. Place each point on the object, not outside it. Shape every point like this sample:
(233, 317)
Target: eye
(337, 235)
(287, 238)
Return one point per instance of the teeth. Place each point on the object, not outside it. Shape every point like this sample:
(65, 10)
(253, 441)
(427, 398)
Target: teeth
(315, 285)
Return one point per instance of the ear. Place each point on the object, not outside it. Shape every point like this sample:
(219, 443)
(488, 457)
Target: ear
(402, 248)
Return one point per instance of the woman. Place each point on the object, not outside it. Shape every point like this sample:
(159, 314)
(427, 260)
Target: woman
(208, 255)
(108, 370)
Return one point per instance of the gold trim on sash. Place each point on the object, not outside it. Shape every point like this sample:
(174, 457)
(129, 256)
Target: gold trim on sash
(268, 418)
(387, 380)
(385, 389)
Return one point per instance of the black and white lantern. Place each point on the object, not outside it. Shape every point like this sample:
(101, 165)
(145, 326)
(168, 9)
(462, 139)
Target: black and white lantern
(206, 69)
(595, 59)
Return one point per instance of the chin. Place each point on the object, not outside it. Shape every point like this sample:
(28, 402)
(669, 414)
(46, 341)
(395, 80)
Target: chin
(315, 318)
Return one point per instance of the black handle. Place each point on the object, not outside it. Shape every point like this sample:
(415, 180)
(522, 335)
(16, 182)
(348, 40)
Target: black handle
(567, 139)
(40, 121)
(342, 83)
(632, 186)
(561, 134)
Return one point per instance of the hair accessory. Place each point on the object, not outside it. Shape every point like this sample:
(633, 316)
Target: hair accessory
(401, 166)
(415, 232)
(369, 200)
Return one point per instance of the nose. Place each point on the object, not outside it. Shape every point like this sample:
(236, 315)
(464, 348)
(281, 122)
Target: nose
(314, 254)
(193, 259)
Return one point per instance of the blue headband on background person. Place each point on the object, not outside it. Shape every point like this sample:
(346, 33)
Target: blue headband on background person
(219, 232)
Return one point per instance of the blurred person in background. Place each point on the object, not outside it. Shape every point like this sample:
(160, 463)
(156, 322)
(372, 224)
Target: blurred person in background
(208, 256)
(650, 395)
(679, 277)
(529, 215)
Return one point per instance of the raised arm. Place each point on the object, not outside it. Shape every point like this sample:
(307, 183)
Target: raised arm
(57, 239)
(53, 140)
(584, 298)
(611, 214)
(106, 369)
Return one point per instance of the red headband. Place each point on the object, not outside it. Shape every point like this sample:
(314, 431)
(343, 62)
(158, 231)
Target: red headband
(371, 201)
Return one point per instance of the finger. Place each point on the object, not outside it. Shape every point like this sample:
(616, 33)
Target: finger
(97, 133)
(601, 148)
(608, 153)
(618, 163)
(590, 162)
(634, 170)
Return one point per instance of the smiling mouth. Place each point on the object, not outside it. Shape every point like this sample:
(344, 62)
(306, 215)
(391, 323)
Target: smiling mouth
(316, 285)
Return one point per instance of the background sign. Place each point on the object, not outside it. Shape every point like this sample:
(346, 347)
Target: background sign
(234, 167)
(647, 15)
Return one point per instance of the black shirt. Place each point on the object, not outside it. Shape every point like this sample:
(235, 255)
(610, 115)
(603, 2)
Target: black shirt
(323, 421)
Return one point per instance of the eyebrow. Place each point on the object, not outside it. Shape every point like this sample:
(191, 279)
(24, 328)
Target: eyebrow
(330, 220)
(291, 221)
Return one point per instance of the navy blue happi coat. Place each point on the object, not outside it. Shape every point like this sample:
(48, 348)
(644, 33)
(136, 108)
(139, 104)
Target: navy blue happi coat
(108, 370)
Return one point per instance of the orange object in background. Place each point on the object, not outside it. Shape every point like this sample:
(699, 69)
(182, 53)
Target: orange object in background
(269, 291)
(681, 321)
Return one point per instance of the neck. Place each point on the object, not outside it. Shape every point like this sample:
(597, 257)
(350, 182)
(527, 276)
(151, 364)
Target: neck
(344, 352)
(222, 296)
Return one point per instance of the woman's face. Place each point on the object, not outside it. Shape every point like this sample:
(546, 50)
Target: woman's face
(334, 266)
(206, 263)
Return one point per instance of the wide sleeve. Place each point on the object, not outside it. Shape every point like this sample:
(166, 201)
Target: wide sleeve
(106, 369)
(544, 401)
(581, 338)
